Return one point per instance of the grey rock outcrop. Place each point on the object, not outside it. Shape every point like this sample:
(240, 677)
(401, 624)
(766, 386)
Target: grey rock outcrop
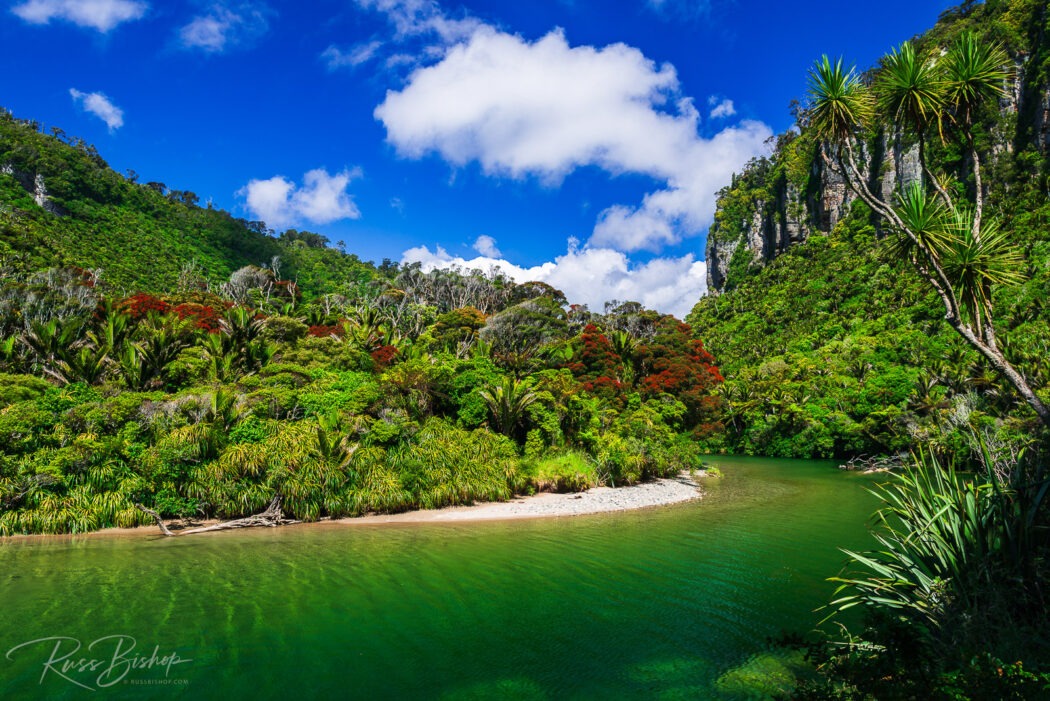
(789, 217)
(718, 254)
(769, 229)
(1042, 121)
(35, 186)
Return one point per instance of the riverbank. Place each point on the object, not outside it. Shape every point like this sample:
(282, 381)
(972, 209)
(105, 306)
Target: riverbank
(674, 600)
(660, 492)
(597, 500)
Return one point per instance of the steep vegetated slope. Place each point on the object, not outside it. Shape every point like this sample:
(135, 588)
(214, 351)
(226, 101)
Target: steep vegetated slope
(62, 205)
(831, 346)
(159, 354)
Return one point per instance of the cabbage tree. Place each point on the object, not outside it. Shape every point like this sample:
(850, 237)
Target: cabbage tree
(959, 252)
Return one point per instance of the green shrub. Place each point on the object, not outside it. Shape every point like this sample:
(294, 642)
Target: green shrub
(284, 329)
(20, 388)
(566, 472)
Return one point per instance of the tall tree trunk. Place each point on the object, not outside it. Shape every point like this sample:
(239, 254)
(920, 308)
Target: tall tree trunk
(982, 341)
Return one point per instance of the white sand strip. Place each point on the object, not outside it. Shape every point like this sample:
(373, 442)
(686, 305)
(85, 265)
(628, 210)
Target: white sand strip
(598, 500)
(593, 501)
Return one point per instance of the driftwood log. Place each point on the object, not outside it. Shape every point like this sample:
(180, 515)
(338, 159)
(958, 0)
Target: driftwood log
(875, 463)
(272, 517)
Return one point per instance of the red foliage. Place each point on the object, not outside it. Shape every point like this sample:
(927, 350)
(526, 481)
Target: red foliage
(204, 317)
(87, 278)
(288, 289)
(708, 429)
(384, 356)
(140, 305)
(598, 365)
(322, 331)
(676, 364)
(603, 386)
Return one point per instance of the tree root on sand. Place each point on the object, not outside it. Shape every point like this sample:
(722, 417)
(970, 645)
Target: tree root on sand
(271, 517)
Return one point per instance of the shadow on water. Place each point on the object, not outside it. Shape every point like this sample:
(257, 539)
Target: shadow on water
(672, 602)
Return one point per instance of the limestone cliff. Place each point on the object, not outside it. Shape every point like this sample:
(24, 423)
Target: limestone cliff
(34, 185)
(783, 199)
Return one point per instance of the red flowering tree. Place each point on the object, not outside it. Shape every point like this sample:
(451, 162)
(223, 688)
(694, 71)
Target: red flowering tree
(675, 363)
(204, 316)
(384, 356)
(327, 330)
(141, 305)
(597, 365)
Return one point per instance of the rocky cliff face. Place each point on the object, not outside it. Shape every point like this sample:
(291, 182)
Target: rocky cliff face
(1042, 121)
(782, 215)
(768, 229)
(791, 215)
(34, 185)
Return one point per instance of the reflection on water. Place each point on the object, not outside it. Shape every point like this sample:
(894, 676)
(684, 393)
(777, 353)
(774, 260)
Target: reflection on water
(674, 602)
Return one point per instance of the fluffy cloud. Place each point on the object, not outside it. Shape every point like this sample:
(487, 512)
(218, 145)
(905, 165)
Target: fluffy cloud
(545, 109)
(224, 27)
(721, 109)
(102, 15)
(423, 18)
(593, 276)
(486, 246)
(99, 105)
(321, 199)
(336, 58)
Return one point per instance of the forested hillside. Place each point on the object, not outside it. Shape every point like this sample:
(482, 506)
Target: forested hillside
(879, 286)
(159, 356)
(831, 343)
(62, 205)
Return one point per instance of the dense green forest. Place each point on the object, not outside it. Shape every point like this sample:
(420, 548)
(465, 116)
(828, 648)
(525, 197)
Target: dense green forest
(836, 347)
(159, 353)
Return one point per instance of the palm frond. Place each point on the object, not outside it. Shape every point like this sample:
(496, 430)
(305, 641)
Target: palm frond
(841, 103)
(975, 262)
(923, 216)
(974, 72)
(910, 90)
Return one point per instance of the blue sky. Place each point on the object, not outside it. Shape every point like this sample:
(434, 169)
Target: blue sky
(576, 141)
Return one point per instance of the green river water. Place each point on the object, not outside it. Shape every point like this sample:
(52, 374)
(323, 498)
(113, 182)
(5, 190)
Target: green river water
(671, 602)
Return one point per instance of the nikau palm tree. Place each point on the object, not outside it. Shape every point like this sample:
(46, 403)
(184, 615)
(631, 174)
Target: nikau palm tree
(507, 403)
(958, 252)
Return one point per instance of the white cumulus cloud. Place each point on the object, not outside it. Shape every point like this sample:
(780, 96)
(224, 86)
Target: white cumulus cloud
(224, 27)
(486, 246)
(102, 15)
(593, 276)
(544, 109)
(99, 105)
(721, 108)
(321, 199)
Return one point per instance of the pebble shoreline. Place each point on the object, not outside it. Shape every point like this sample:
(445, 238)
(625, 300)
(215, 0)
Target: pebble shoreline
(597, 500)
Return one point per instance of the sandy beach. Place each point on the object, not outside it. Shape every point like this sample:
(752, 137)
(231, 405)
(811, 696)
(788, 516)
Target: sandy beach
(659, 492)
(597, 500)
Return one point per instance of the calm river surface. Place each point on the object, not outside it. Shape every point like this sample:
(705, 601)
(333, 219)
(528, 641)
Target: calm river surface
(673, 602)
